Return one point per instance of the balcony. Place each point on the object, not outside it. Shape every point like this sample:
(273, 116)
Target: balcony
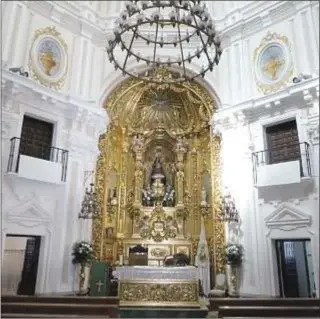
(291, 170)
(42, 163)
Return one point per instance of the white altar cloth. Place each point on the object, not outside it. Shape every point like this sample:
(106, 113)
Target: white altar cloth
(154, 273)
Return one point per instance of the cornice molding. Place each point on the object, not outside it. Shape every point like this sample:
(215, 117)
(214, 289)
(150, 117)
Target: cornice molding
(13, 84)
(297, 95)
(252, 19)
(240, 22)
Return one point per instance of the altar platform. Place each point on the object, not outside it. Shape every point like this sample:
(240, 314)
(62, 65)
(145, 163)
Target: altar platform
(152, 286)
(159, 292)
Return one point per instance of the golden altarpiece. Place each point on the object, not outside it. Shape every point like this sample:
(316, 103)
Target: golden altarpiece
(158, 172)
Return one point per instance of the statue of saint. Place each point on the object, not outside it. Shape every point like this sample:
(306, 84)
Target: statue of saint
(204, 197)
(137, 142)
(181, 144)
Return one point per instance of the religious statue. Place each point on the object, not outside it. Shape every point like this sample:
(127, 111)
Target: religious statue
(144, 226)
(181, 144)
(137, 142)
(114, 200)
(204, 201)
(172, 225)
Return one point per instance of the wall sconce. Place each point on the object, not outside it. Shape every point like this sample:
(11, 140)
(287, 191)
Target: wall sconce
(228, 211)
(90, 207)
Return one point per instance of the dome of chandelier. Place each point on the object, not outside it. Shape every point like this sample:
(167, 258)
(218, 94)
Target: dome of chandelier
(143, 107)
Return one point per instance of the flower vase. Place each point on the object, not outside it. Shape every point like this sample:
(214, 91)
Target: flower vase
(233, 280)
(82, 278)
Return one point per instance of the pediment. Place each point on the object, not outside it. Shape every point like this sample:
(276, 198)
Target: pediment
(30, 210)
(286, 215)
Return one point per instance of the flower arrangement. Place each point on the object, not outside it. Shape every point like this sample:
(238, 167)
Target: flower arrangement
(234, 253)
(82, 253)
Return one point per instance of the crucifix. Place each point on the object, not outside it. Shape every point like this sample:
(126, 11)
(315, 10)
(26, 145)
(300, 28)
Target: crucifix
(99, 284)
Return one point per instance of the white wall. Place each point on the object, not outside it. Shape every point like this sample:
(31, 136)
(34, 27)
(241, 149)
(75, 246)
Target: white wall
(244, 134)
(32, 206)
(50, 211)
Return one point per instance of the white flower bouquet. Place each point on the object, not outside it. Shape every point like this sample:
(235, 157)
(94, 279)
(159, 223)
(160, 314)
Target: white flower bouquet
(82, 253)
(234, 253)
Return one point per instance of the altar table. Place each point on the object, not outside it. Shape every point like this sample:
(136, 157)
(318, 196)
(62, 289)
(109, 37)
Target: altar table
(158, 286)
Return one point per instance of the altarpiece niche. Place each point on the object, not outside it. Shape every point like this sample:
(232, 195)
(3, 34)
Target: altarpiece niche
(158, 169)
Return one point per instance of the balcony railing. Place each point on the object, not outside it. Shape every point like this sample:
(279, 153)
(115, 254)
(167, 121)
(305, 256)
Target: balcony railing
(267, 157)
(41, 152)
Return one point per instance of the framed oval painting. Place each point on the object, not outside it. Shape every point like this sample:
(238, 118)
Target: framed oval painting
(48, 60)
(273, 63)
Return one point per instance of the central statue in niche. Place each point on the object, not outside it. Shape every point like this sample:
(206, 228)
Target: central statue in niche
(158, 189)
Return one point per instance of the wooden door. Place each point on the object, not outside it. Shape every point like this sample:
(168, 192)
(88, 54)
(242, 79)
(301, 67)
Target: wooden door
(28, 281)
(287, 271)
(283, 143)
(36, 138)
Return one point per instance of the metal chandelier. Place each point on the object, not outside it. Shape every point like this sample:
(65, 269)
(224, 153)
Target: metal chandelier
(151, 33)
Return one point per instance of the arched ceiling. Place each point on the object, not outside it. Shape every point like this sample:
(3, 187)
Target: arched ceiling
(144, 107)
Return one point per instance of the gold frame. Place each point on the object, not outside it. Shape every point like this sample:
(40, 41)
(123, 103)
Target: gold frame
(273, 86)
(142, 291)
(37, 74)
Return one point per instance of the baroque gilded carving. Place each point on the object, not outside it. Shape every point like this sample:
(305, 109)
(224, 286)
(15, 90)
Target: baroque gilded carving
(184, 293)
(158, 137)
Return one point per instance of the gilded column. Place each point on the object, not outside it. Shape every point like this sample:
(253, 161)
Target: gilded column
(218, 227)
(180, 151)
(138, 149)
(182, 210)
(122, 188)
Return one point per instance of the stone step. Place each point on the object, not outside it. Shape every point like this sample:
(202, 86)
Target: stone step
(28, 315)
(61, 299)
(59, 308)
(269, 311)
(215, 303)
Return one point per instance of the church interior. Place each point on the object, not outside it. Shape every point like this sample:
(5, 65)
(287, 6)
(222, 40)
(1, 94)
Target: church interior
(160, 159)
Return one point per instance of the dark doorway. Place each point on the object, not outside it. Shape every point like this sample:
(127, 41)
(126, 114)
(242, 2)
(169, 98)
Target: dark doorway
(295, 270)
(27, 284)
(283, 142)
(36, 138)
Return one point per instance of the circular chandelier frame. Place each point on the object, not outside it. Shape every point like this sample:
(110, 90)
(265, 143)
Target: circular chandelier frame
(183, 15)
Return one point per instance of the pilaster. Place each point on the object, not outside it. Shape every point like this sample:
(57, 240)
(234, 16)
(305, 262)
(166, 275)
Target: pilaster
(77, 66)
(21, 38)
(9, 20)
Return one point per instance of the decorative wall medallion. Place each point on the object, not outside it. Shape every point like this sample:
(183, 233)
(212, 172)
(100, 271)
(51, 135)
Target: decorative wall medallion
(273, 63)
(48, 59)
